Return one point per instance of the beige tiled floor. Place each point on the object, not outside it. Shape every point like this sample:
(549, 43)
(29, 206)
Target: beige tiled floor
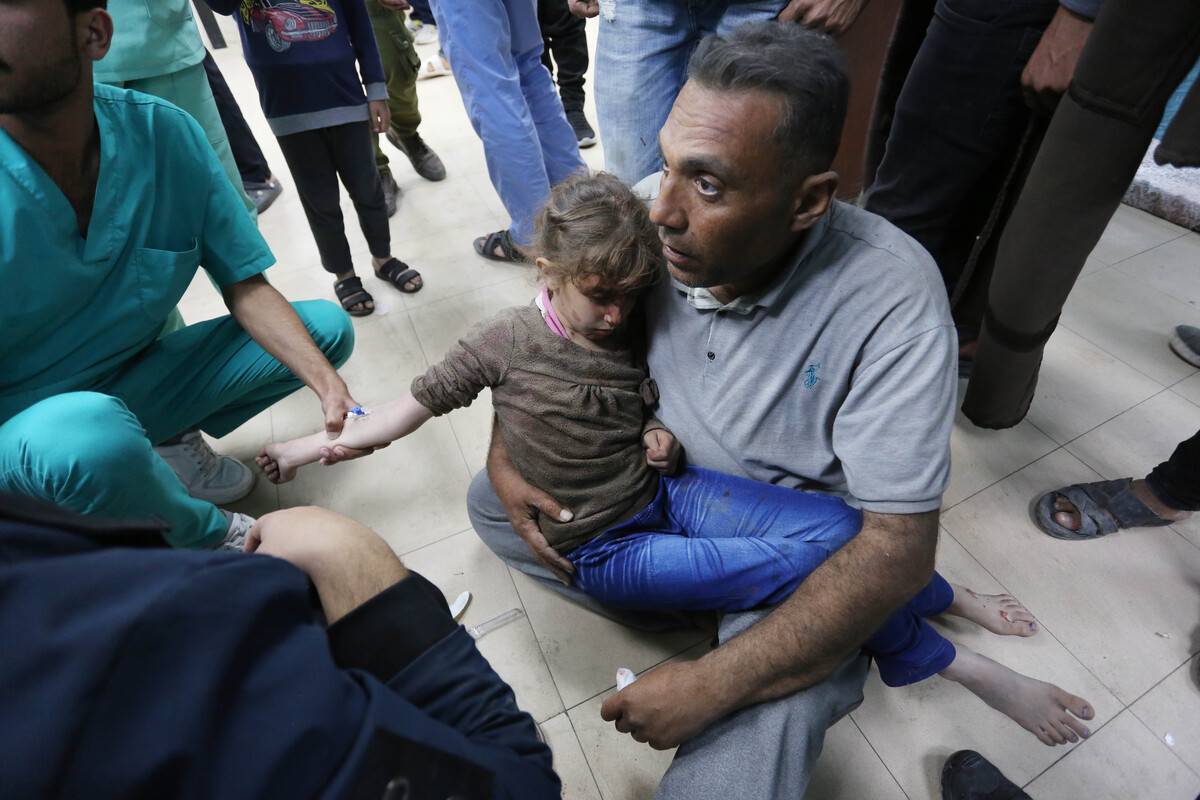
(1120, 618)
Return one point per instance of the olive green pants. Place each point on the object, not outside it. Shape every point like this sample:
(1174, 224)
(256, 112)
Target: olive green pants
(400, 66)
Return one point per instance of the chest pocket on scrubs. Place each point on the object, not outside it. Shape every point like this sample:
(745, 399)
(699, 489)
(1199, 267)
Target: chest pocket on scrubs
(162, 276)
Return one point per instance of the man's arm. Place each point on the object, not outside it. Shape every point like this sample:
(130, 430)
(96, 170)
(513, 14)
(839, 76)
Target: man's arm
(523, 503)
(272, 322)
(798, 645)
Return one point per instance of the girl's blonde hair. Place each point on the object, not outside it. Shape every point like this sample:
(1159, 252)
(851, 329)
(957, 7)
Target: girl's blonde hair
(595, 225)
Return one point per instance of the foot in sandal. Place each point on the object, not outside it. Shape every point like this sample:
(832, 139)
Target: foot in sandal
(499, 246)
(398, 274)
(356, 300)
(1092, 510)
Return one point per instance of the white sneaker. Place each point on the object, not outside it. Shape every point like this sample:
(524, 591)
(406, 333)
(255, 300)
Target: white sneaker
(207, 476)
(434, 67)
(424, 34)
(239, 527)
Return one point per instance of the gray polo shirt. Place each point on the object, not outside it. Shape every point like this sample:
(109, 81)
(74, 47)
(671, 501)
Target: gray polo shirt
(838, 377)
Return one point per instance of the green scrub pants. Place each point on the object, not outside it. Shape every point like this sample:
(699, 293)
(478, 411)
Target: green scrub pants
(189, 89)
(92, 451)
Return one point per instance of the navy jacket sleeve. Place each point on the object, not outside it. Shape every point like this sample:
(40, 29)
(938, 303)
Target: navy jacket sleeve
(362, 36)
(194, 675)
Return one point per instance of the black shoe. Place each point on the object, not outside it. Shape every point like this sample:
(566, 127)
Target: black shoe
(263, 194)
(391, 192)
(583, 130)
(967, 775)
(424, 161)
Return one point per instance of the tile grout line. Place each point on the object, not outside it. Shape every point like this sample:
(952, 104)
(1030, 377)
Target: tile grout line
(1117, 358)
(863, 734)
(536, 640)
(1145, 725)
(1076, 748)
(586, 760)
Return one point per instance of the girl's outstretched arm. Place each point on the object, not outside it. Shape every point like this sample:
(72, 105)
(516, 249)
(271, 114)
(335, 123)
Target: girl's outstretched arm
(378, 427)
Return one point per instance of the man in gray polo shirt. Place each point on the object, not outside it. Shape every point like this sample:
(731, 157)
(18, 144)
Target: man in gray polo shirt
(819, 354)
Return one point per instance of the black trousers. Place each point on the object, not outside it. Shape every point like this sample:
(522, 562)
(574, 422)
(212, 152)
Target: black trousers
(1176, 481)
(563, 37)
(1136, 56)
(957, 126)
(249, 156)
(317, 158)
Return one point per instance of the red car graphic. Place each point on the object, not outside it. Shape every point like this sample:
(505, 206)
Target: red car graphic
(286, 22)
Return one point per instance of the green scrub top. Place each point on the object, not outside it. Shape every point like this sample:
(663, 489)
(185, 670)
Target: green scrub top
(150, 38)
(75, 309)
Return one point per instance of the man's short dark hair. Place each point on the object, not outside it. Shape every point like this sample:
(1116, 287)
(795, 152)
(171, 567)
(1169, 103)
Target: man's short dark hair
(804, 68)
(78, 6)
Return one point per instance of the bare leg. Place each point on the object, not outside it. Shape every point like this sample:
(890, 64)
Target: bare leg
(1041, 708)
(999, 613)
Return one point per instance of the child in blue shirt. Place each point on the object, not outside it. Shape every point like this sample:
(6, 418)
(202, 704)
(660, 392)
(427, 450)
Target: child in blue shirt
(322, 88)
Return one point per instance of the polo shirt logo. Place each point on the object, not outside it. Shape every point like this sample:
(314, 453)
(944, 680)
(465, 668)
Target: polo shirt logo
(810, 375)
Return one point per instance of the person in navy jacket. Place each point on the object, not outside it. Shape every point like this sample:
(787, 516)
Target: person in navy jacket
(132, 670)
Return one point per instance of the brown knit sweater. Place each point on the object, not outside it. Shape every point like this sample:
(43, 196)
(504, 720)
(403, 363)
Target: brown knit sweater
(572, 419)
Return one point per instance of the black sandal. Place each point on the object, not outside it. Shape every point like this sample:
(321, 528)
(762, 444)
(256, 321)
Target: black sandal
(350, 293)
(1104, 507)
(399, 274)
(486, 247)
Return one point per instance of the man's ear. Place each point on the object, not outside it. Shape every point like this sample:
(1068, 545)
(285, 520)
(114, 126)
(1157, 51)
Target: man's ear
(813, 197)
(94, 32)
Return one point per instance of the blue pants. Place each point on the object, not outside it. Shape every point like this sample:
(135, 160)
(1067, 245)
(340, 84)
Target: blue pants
(92, 451)
(710, 541)
(641, 64)
(495, 52)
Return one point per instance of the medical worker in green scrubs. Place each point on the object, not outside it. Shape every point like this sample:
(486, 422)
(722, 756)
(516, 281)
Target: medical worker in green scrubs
(109, 202)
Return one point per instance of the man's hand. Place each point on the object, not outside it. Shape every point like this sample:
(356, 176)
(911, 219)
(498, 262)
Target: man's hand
(523, 504)
(380, 117)
(1052, 65)
(831, 16)
(395, 5)
(664, 707)
(336, 402)
(662, 450)
(347, 562)
(584, 8)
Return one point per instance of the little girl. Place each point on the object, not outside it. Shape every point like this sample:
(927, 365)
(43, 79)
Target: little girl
(572, 399)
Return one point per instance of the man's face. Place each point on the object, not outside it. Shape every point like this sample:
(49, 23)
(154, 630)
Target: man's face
(726, 206)
(40, 61)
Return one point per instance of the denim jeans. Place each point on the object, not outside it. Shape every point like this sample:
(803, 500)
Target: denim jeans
(641, 64)
(495, 52)
(710, 541)
(738, 756)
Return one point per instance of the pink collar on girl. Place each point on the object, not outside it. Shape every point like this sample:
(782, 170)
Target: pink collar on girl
(548, 313)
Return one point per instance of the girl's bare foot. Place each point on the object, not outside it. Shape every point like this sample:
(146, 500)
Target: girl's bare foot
(275, 463)
(999, 613)
(1041, 708)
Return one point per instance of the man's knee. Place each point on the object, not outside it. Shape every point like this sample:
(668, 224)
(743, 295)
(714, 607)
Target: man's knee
(487, 515)
(330, 328)
(75, 434)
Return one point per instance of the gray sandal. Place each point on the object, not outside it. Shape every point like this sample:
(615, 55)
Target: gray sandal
(1104, 507)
